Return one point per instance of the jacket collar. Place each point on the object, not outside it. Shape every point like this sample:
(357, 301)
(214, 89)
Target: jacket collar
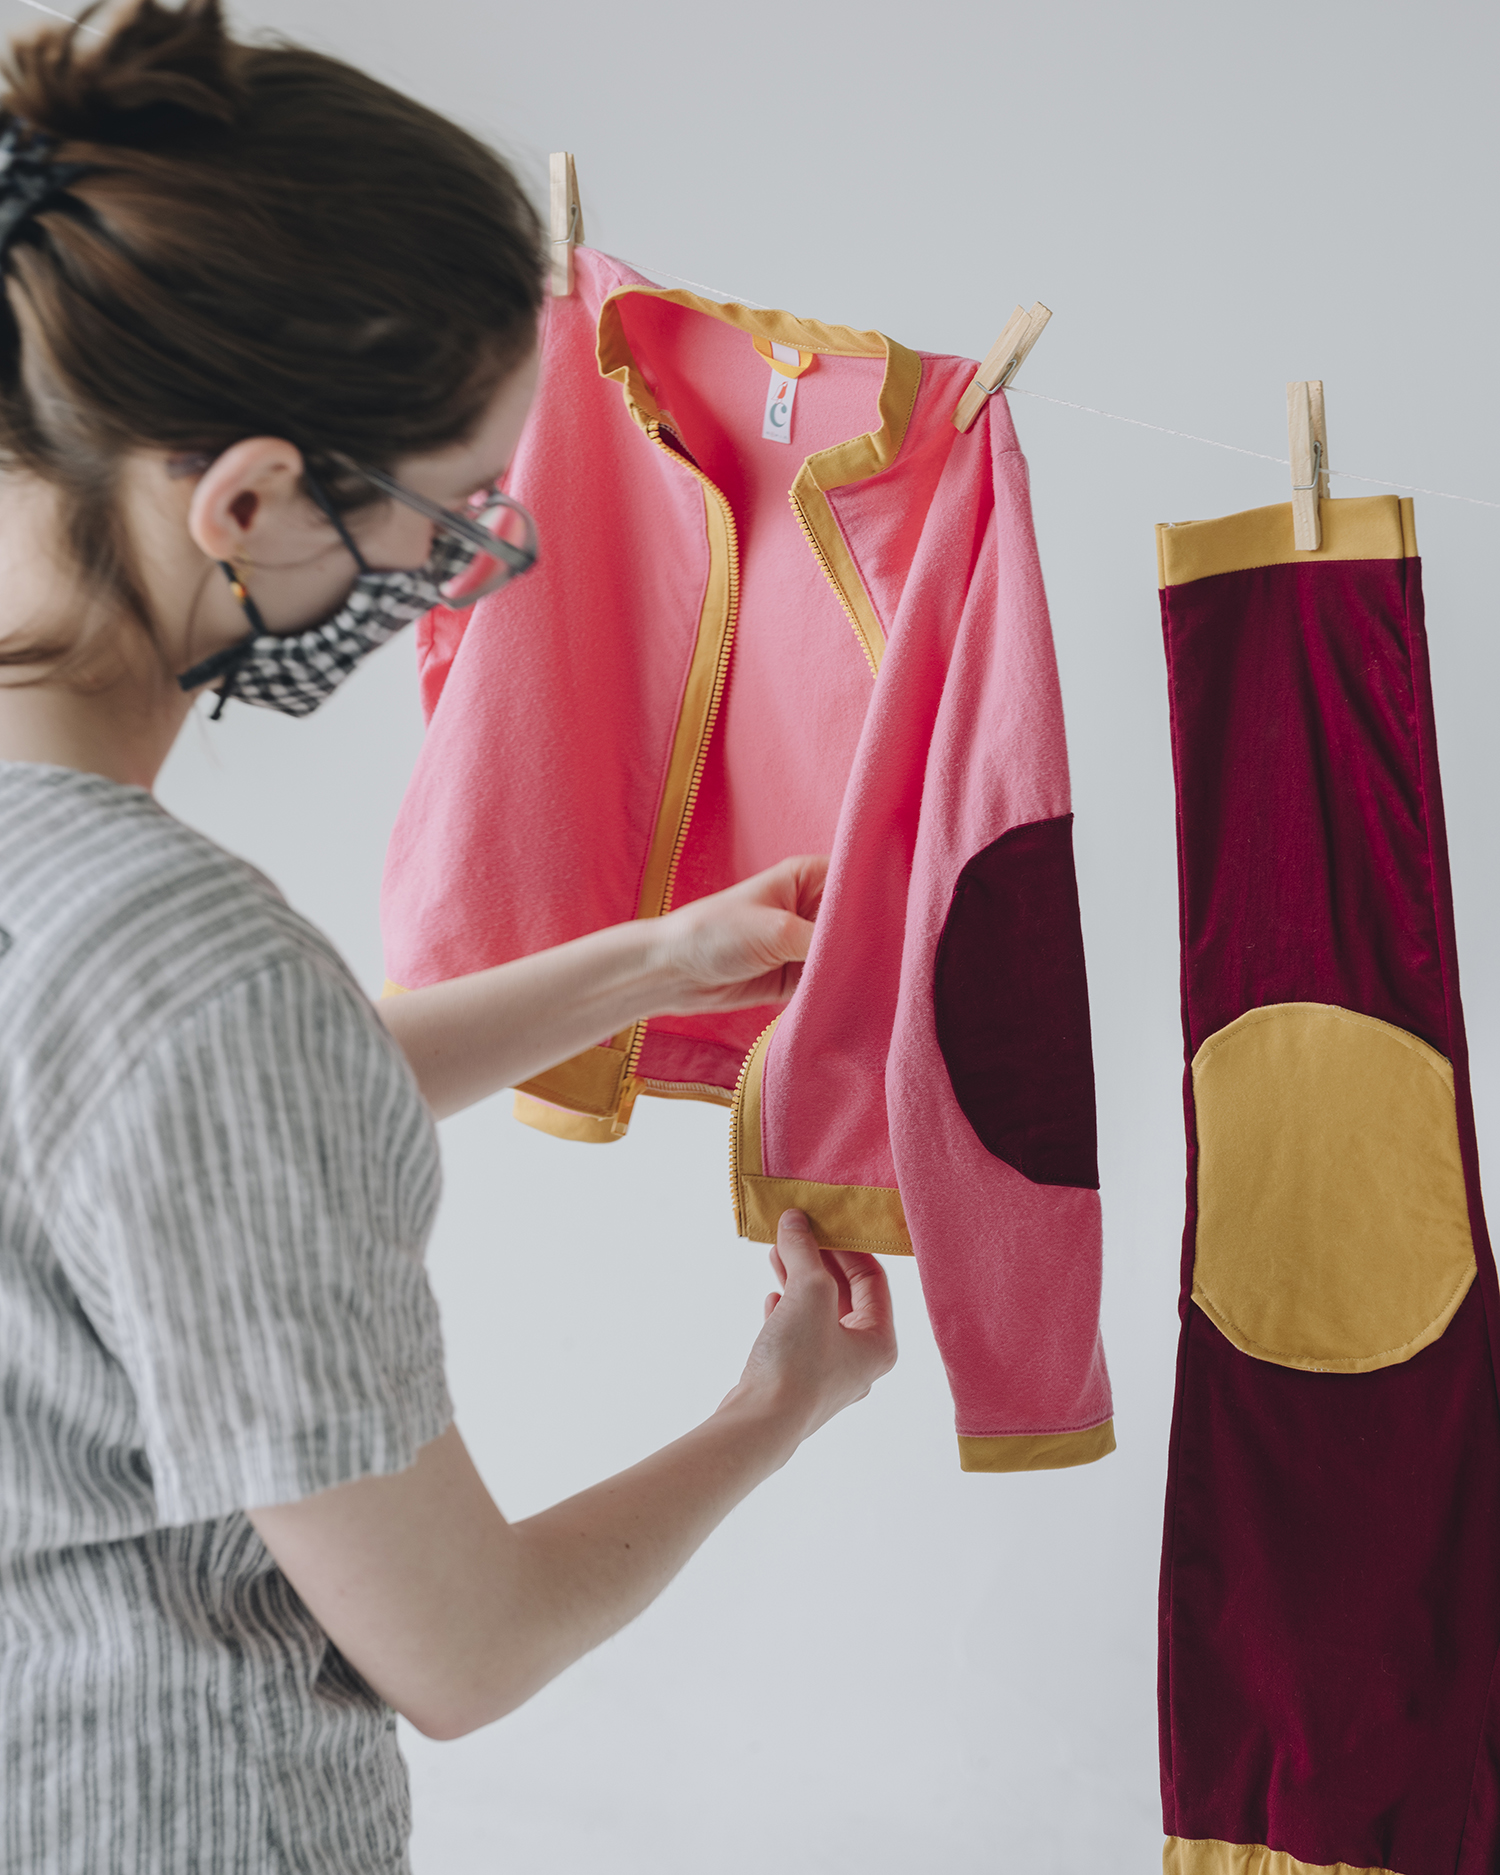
(851, 461)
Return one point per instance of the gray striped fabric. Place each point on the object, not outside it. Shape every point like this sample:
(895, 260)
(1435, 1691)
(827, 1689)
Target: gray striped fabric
(217, 1179)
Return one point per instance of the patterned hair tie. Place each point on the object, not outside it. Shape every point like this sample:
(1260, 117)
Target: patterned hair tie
(29, 179)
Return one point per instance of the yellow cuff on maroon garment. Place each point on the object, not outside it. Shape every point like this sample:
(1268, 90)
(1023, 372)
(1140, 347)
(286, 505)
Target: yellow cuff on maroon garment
(1183, 1857)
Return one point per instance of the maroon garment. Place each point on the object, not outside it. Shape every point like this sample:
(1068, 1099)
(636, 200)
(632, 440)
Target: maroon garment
(1330, 1599)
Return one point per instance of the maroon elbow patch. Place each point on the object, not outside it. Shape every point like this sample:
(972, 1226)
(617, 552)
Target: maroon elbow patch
(1012, 1006)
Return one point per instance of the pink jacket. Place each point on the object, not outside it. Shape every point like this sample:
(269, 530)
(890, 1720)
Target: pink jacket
(732, 650)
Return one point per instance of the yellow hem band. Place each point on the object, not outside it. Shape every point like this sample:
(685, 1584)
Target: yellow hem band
(588, 1083)
(561, 1124)
(1181, 1856)
(843, 1217)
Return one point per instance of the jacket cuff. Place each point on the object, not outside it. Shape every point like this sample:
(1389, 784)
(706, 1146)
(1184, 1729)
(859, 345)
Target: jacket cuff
(1037, 1451)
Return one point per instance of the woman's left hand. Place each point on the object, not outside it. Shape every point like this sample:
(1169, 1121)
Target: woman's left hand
(745, 946)
(735, 950)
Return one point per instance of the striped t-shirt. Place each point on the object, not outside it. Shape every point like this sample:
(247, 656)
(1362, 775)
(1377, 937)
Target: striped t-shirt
(217, 1178)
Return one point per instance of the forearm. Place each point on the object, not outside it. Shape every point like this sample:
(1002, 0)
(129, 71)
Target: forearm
(736, 949)
(455, 1616)
(583, 1569)
(470, 1037)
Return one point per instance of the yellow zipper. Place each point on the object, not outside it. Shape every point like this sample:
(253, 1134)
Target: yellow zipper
(630, 1085)
(734, 1130)
(830, 576)
(721, 670)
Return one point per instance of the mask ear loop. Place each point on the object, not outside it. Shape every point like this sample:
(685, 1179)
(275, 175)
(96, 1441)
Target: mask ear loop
(240, 651)
(226, 663)
(229, 661)
(320, 495)
(242, 593)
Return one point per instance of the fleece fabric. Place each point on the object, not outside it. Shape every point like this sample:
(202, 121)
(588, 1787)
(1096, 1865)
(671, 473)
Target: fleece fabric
(733, 649)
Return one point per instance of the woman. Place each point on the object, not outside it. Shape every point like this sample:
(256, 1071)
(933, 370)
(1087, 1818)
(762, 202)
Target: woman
(267, 327)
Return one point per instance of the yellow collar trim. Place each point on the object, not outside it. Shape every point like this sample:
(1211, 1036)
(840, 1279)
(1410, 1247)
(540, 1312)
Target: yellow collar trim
(616, 360)
(837, 467)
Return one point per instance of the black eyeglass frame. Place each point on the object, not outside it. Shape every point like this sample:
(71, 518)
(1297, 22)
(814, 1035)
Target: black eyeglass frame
(516, 559)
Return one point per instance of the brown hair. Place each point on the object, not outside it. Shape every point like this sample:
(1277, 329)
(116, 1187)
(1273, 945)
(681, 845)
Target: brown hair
(268, 242)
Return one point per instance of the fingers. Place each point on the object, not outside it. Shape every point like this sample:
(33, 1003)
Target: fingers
(863, 1291)
(828, 1336)
(802, 879)
(796, 939)
(770, 991)
(869, 1290)
(795, 884)
(836, 1270)
(744, 946)
(780, 937)
(797, 1248)
(812, 876)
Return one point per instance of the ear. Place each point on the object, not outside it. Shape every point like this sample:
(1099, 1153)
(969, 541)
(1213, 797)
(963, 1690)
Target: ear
(244, 496)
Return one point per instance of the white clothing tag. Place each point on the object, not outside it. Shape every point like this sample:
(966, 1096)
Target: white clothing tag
(776, 426)
(785, 354)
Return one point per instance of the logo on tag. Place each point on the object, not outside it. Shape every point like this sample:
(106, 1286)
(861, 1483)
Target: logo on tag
(776, 426)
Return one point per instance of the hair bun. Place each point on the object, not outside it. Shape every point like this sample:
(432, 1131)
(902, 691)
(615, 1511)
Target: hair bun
(157, 77)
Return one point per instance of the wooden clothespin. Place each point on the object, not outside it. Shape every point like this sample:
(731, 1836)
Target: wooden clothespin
(1006, 356)
(1307, 428)
(567, 221)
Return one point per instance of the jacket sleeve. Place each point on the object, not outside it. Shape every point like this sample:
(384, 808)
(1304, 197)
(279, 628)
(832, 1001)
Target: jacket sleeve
(989, 1079)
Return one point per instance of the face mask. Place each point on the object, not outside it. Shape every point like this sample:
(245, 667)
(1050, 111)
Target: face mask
(472, 554)
(296, 672)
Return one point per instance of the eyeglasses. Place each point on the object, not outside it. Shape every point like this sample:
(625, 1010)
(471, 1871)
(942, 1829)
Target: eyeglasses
(499, 532)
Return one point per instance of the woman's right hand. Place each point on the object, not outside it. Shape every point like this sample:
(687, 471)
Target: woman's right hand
(455, 1616)
(828, 1335)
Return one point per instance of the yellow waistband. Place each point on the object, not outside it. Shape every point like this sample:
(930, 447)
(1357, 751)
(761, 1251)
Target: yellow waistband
(1374, 527)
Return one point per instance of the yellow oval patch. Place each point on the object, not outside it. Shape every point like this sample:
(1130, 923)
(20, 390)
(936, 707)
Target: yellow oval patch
(1333, 1228)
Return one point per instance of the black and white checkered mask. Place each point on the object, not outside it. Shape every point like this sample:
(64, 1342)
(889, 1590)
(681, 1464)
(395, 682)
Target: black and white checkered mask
(297, 671)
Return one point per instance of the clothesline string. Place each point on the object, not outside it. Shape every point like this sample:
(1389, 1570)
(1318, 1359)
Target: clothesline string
(37, 7)
(1187, 436)
(1348, 475)
(1138, 423)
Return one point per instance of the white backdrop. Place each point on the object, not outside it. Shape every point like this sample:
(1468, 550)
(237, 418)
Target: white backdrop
(881, 1664)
